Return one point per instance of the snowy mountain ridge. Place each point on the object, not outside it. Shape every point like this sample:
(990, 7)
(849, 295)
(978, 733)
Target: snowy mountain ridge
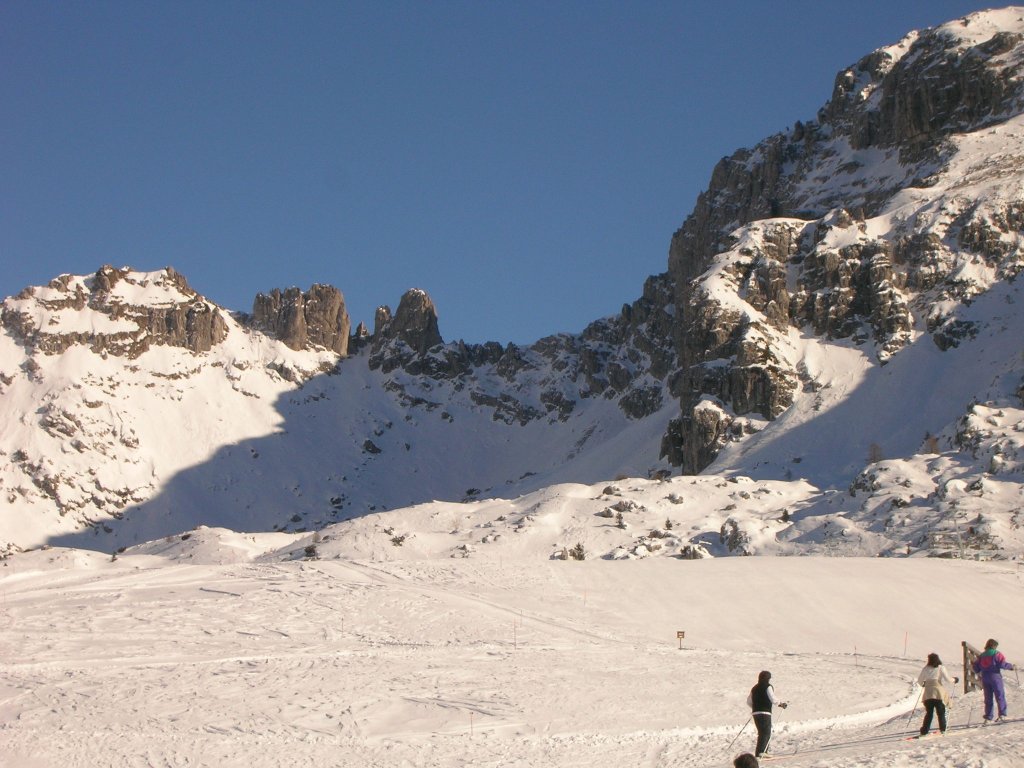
(127, 414)
(877, 223)
(836, 338)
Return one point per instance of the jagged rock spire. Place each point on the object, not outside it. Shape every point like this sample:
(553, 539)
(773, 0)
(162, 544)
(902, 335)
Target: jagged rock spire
(317, 317)
(410, 332)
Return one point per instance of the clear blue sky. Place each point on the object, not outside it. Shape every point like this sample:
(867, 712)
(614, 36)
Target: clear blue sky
(525, 163)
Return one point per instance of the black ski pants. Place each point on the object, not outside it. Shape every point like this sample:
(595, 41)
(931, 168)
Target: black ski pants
(763, 723)
(937, 707)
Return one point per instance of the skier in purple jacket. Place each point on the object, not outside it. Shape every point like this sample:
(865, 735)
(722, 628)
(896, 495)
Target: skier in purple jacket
(989, 665)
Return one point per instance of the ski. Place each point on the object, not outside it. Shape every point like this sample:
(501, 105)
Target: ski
(956, 730)
(766, 758)
(1000, 721)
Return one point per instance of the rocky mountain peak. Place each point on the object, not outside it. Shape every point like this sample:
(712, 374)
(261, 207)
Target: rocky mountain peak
(415, 322)
(866, 224)
(115, 311)
(408, 334)
(316, 318)
(949, 79)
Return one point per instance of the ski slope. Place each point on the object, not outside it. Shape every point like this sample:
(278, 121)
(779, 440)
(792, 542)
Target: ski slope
(226, 650)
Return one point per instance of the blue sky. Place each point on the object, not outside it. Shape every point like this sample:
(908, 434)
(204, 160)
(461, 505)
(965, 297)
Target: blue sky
(525, 163)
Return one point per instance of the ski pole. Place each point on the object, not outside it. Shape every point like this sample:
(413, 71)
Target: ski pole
(738, 734)
(914, 709)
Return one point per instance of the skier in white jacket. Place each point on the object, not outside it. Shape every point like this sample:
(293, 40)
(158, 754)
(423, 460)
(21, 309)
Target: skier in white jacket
(934, 678)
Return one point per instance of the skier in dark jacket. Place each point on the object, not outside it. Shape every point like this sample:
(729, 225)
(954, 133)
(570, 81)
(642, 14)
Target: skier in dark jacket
(989, 665)
(760, 701)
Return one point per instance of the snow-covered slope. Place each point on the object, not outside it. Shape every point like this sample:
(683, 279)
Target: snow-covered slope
(213, 651)
(115, 433)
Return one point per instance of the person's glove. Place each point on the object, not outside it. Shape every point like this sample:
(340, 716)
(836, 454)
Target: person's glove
(783, 705)
(956, 680)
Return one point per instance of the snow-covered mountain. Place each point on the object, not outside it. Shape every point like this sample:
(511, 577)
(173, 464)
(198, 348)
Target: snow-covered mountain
(137, 408)
(835, 346)
(878, 227)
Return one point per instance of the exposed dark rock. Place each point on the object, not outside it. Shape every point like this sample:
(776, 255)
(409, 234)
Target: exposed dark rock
(934, 90)
(359, 339)
(302, 320)
(403, 339)
(953, 332)
(414, 324)
(625, 357)
(701, 433)
(904, 108)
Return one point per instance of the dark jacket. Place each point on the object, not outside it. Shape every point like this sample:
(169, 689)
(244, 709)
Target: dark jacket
(761, 698)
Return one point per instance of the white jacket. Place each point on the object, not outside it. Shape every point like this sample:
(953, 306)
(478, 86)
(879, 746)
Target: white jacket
(935, 680)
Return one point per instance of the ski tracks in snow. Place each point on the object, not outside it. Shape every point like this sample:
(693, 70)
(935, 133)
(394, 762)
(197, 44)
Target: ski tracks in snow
(401, 664)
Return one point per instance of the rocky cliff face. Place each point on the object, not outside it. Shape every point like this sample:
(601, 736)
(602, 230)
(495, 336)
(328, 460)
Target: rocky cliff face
(625, 359)
(316, 318)
(119, 312)
(871, 221)
(404, 338)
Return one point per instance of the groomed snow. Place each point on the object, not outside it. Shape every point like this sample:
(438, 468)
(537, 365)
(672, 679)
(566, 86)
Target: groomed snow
(248, 659)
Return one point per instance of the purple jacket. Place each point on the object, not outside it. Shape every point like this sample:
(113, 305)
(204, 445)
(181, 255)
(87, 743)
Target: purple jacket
(990, 662)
